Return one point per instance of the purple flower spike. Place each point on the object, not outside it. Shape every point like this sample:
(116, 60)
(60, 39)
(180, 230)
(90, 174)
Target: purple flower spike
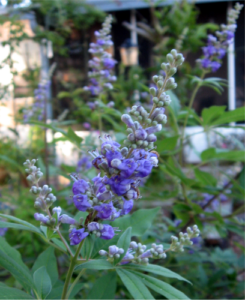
(67, 220)
(77, 235)
(79, 187)
(107, 232)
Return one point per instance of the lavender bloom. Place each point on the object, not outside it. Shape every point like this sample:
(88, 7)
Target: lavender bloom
(103, 231)
(3, 231)
(57, 210)
(81, 202)
(79, 187)
(86, 125)
(93, 226)
(84, 164)
(107, 232)
(127, 207)
(127, 258)
(77, 235)
(217, 45)
(40, 217)
(106, 211)
(67, 220)
(102, 62)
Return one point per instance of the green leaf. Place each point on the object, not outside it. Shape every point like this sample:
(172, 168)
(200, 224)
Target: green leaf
(99, 264)
(47, 259)
(242, 178)
(104, 287)
(56, 293)
(76, 289)
(14, 225)
(12, 252)
(167, 144)
(212, 113)
(123, 242)
(12, 293)
(134, 285)
(11, 162)
(42, 282)
(70, 134)
(159, 270)
(230, 116)
(175, 103)
(73, 137)
(19, 221)
(140, 221)
(59, 244)
(17, 269)
(205, 178)
(226, 155)
(87, 247)
(161, 287)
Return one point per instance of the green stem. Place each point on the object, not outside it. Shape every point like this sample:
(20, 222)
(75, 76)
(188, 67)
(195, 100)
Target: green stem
(193, 96)
(70, 271)
(64, 242)
(75, 282)
(100, 124)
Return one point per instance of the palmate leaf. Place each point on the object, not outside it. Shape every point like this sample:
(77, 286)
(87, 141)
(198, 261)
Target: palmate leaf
(161, 287)
(159, 270)
(123, 243)
(12, 293)
(104, 287)
(134, 285)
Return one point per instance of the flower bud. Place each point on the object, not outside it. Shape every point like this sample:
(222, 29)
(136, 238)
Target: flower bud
(153, 91)
(155, 78)
(172, 71)
(170, 58)
(170, 84)
(164, 66)
(155, 100)
(159, 84)
(173, 52)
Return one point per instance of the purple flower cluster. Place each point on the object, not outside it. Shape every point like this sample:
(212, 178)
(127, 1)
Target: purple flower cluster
(217, 45)
(37, 110)
(102, 63)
